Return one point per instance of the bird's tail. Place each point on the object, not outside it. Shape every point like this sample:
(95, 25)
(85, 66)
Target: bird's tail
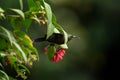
(39, 40)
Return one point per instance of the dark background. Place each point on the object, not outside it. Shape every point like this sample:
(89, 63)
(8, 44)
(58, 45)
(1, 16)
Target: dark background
(95, 56)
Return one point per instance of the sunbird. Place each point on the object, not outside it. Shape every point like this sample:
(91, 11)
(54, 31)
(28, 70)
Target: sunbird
(56, 38)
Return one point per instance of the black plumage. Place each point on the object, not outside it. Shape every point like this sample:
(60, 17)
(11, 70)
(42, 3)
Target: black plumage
(56, 38)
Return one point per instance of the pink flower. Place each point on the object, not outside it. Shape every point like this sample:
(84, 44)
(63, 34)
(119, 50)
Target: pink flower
(58, 55)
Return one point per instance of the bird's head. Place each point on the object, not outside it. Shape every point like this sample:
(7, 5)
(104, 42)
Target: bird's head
(70, 37)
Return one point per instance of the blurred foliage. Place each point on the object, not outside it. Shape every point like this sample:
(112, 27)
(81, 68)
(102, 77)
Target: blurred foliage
(17, 52)
(16, 49)
(95, 56)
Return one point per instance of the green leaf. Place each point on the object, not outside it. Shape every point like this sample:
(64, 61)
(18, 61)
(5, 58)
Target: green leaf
(48, 12)
(1, 10)
(27, 23)
(34, 5)
(50, 30)
(3, 75)
(22, 52)
(2, 54)
(38, 3)
(18, 11)
(64, 46)
(24, 67)
(25, 41)
(7, 34)
(50, 51)
(66, 40)
(11, 78)
(65, 36)
(1, 13)
(56, 30)
(50, 26)
(3, 43)
(16, 23)
(31, 3)
(1, 66)
(23, 38)
(21, 4)
(13, 59)
(57, 26)
(36, 19)
(2, 78)
(12, 40)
